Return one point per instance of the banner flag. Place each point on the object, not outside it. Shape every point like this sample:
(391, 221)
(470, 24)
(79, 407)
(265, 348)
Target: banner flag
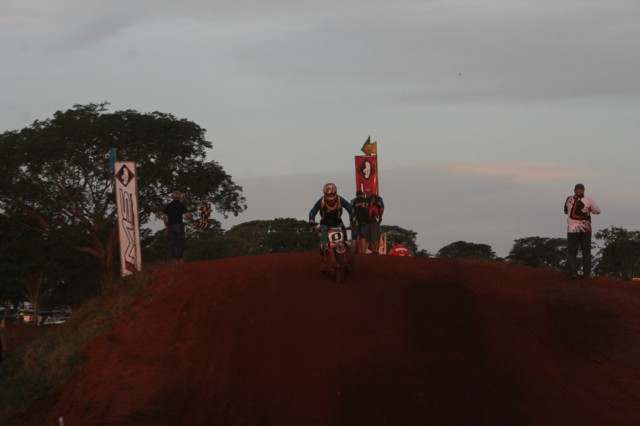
(367, 173)
(366, 143)
(112, 160)
(370, 148)
(382, 248)
(128, 219)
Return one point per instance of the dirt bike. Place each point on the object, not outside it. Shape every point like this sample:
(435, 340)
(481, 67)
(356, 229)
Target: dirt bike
(338, 258)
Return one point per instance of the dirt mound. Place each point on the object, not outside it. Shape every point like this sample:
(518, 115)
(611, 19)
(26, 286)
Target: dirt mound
(268, 340)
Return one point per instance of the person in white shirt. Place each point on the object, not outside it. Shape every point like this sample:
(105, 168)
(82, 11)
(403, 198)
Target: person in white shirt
(579, 208)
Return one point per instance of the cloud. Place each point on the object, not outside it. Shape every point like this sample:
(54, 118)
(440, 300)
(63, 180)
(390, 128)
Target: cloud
(411, 52)
(68, 25)
(519, 172)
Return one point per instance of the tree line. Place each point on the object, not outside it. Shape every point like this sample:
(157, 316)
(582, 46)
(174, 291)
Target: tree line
(57, 207)
(617, 257)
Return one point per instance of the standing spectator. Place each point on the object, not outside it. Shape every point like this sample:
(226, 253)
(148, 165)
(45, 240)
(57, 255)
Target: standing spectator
(579, 207)
(360, 220)
(174, 227)
(376, 210)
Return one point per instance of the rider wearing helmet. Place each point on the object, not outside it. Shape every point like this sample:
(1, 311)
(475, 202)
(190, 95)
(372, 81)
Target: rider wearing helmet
(330, 207)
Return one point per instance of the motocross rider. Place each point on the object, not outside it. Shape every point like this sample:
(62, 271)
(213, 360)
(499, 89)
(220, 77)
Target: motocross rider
(330, 207)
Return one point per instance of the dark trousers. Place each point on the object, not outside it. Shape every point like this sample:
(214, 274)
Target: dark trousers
(175, 241)
(582, 241)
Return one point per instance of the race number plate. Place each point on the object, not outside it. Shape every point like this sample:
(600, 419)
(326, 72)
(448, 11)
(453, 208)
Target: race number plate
(336, 235)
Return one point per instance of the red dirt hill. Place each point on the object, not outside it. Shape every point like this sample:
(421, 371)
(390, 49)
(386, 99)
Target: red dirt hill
(268, 340)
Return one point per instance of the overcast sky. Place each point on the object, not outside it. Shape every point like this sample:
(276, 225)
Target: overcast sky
(486, 113)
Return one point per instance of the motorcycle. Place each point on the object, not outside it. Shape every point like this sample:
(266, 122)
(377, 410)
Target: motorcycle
(338, 258)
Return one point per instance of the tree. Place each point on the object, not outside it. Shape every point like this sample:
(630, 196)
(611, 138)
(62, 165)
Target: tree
(247, 238)
(620, 255)
(396, 234)
(53, 173)
(289, 235)
(270, 236)
(465, 250)
(540, 252)
(33, 286)
(68, 276)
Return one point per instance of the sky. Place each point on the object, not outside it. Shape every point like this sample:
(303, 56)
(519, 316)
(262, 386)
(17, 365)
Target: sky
(486, 113)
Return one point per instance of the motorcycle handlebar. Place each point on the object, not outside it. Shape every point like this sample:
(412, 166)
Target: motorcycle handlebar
(315, 228)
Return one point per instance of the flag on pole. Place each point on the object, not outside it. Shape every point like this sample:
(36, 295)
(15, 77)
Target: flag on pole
(367, 173)
(112, 160)
(370, 148)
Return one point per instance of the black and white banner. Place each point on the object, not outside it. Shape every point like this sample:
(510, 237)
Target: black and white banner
(128, 220)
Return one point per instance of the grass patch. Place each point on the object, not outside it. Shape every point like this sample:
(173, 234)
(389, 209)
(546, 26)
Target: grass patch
(43, 366)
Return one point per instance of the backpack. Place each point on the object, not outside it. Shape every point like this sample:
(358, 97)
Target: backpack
(374, 208)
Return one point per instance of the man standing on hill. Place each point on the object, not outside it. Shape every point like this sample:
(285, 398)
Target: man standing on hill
(360, 219)
(579, 207)
(376, 209)
(174, 228)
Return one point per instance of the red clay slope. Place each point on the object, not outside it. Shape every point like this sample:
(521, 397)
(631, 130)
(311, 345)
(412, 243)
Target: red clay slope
(269, 340)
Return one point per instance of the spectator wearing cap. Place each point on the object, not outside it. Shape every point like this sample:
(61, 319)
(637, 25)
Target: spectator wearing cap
(578, 209)
(174, 227)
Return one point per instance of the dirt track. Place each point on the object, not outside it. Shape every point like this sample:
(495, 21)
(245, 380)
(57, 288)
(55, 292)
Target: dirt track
(268, 340)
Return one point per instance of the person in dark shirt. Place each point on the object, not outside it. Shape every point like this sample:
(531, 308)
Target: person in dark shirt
(376, 210)
(330, 207)
(369, 212)
(360, 219)
(578, 208)
(172, 215)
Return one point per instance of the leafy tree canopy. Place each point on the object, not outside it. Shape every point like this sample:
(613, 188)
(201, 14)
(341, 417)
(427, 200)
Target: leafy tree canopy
(270, 236)
(396, 234)
(70, 276)
(620, 255)
(249, 238)
(286, 235)
(465, 250)
(539, 251)
(53, 173)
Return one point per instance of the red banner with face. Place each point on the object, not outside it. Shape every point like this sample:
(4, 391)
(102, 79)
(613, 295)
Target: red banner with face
(367, 174)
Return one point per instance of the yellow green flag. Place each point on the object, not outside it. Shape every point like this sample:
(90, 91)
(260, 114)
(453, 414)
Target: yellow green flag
(370, 148)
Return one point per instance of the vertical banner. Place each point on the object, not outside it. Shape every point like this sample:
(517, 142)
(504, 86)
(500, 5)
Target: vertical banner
(128, 221)
(367, 173)
(382, 249)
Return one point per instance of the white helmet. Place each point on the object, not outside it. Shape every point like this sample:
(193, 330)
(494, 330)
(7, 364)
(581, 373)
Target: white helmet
(330, 191)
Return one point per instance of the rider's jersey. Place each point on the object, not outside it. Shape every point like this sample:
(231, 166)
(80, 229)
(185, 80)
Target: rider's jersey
(330, 216)
(376, 208)
(579, 211)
